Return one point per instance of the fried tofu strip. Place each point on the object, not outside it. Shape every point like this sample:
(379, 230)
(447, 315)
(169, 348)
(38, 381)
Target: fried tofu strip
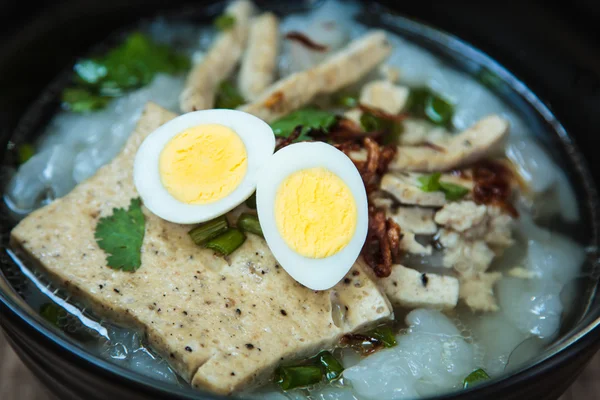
(341, 69)
(467, 147)
(219, 62)
(260, 59)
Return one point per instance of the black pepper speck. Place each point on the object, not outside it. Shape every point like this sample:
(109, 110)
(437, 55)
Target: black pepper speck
(283, 312)
(249, 346)
(424, 279)
(188, 349)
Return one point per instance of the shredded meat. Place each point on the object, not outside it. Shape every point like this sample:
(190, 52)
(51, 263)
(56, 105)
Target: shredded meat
(282, 142)
(493, 185)
(305, 41)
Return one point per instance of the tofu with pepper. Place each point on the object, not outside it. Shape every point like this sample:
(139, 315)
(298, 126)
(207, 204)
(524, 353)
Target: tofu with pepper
(223, 323)
(409, 288)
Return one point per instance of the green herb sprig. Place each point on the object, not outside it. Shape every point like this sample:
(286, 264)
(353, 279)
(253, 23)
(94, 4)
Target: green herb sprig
(121, 234)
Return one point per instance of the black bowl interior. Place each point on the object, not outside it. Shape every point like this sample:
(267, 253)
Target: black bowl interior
(579, 328)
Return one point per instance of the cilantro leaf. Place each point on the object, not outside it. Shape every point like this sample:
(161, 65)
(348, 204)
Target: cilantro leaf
(121, 235)
(431, 183)
(228, 96)
(309, 118)
(131, 65)
(453, 191)
(82, 100)
(224, 22)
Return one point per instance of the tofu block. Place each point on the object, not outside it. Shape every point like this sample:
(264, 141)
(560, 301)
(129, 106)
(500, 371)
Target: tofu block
(410, 288)
(223, 323)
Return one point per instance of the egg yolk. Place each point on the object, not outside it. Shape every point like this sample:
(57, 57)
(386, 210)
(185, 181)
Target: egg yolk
(203, 164)
(315, 212)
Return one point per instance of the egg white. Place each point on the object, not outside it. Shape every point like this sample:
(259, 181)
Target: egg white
(257, 137)
(314, 273)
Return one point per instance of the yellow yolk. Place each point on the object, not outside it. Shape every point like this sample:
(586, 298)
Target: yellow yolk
(203, 164)
(315, 212)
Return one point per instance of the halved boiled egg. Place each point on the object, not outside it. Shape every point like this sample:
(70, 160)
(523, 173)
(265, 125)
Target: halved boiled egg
(313, 211)
(202, 164)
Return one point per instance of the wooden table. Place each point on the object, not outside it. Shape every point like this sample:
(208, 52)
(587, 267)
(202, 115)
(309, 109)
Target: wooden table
(17, 383)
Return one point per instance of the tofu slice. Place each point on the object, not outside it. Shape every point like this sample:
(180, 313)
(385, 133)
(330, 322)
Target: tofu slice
(384, 95)
(219, 62)
(409, 288)
(223, 324)
(479, 140)
(339, 70)
(418, 220)
(259, 63)
(477, 291)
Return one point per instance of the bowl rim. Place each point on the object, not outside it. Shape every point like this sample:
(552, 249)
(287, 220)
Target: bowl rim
(576, 343)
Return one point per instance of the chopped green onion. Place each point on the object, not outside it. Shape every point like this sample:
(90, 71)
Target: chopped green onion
(332, 368)
(475, 377)
(224, 22)
(347, 100)
(25, 152)
(430, 183)
(227, 242)
(228, 96)
(249, 223)
(425, 103)
(392, 136)
(371, 123)
(208, 230)
(438, 110)
(453, 191)
(67, 323)
(251, 201)
(53, 314)
(293, 377)
(83, 100)
(385, 335)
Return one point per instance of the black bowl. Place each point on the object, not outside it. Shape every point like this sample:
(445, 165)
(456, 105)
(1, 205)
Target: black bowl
(546, 61)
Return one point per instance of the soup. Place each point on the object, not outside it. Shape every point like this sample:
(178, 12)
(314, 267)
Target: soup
(464, 278)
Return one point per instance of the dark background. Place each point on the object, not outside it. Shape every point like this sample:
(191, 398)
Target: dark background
(554, 47)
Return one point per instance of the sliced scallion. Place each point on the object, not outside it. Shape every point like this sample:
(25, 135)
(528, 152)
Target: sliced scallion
(347, 100)
(25, 151)
(293, 377)
(224, 22)
(385, 335)
(475, 377)
(453, 191)
(438, 110)
(227, 242)
(251, 201)
(249, 223)
(332, 368)
(208, 230)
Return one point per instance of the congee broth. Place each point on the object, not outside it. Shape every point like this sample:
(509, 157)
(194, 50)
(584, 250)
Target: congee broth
(292, 207)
